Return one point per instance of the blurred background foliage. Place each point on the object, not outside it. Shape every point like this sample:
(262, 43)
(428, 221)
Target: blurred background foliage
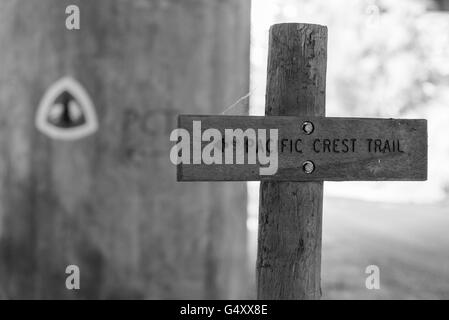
(385, 59)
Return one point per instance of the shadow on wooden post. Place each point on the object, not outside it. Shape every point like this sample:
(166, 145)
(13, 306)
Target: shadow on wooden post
(290, 217)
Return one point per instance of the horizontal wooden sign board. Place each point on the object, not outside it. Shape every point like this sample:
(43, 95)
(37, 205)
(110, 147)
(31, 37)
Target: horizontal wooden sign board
(308, 148)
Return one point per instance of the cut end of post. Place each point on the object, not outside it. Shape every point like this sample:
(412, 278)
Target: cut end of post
(298, 26)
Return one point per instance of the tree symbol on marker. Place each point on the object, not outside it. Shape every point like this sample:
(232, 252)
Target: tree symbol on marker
(66, 112)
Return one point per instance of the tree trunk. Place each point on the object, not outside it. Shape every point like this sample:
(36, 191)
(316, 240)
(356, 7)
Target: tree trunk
(109, 203)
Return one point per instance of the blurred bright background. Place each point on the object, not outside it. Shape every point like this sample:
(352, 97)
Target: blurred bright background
(386, 59)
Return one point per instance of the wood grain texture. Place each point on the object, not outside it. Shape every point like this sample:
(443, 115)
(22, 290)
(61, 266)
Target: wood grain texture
(290, 213)
(342, 149)
(109, 203)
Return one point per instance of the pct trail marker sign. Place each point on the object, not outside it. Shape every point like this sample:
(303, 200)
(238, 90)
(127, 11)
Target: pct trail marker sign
(292, 150)
(66, 111)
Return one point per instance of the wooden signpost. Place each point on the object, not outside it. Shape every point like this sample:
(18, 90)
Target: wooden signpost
(292, 151)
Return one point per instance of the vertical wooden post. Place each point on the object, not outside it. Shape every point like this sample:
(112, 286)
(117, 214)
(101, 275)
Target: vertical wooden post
(290, 217)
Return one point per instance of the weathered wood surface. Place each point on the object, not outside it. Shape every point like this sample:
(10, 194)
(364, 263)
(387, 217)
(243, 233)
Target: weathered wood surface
(109, 203)
(341, 149)
(290, 213)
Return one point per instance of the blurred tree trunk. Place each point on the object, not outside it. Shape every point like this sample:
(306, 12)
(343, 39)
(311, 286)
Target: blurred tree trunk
(443, 5)
(109, 202)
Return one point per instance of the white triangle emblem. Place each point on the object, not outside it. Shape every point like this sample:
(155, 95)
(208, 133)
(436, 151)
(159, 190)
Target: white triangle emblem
(66, 111)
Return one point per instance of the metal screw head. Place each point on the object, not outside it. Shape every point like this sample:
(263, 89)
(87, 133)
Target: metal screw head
(307, 127)
(308, 166)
